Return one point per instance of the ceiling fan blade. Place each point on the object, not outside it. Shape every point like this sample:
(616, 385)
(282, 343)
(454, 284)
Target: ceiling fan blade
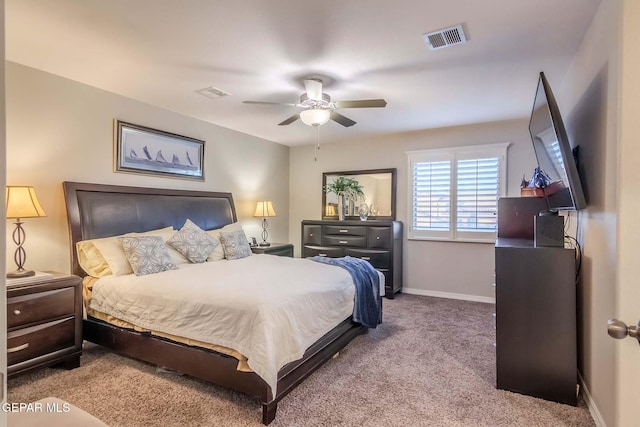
(268, 103)
(361, 103)
(314, 89)
(344, 121)
(290, 120)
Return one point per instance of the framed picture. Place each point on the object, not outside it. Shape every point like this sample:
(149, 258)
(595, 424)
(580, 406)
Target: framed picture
(140, 149)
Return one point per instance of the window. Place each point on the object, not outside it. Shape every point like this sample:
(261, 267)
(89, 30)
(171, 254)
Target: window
(454, 192)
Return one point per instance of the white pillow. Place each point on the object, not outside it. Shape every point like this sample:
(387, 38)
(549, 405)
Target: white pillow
(218, 252)
(104, 257)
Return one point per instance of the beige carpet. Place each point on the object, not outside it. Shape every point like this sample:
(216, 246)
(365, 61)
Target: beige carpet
(431, 363)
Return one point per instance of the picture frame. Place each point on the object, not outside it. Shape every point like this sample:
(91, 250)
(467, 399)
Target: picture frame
(142, 150)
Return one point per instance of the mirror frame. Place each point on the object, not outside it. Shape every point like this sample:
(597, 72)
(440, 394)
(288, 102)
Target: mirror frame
(392, 171)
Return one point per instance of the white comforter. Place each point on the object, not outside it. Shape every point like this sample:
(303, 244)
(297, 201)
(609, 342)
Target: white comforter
(269, 308)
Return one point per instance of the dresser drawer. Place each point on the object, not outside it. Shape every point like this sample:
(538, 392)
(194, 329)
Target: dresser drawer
(40, 306)
(378, 259)
(379, 237)
(356, 241)
(28, 343)
(312, 235)
(309, 251)
(345, 230)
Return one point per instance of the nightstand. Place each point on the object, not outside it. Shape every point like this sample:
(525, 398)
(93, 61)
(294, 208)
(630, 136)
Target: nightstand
(280, 249)
(44, 323)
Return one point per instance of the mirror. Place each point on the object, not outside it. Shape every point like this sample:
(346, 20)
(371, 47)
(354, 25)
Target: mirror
(378, 186)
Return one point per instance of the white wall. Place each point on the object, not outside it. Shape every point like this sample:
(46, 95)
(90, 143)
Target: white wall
(588, 99)
(60, 130)
(429, 267)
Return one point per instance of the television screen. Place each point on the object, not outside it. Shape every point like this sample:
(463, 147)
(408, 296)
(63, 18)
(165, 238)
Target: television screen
(554, 153)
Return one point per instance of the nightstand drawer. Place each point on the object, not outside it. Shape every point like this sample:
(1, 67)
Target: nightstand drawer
(28, 343)
(41, 306)
(357, 241)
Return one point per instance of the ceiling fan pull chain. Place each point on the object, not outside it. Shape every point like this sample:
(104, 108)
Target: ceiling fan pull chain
(315, 157)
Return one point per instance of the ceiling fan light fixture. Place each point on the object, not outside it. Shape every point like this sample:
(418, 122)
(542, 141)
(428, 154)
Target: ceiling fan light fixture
(315, 116)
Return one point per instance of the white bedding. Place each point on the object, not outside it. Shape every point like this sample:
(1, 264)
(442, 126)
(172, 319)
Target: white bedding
(269, 308)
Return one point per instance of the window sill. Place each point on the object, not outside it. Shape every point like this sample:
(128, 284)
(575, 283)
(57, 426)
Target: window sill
(491, 241)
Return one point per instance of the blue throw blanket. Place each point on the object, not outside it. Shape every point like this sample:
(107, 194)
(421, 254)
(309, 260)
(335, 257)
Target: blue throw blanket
(367, 304)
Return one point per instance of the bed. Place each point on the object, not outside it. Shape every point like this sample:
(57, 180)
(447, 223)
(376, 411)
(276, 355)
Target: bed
(97, 211)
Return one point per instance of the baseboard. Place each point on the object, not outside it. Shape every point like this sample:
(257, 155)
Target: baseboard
(450, 295)
(593, 409)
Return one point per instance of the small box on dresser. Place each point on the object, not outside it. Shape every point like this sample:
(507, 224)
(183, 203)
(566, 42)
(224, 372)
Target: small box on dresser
(376, 241)
(44, 323)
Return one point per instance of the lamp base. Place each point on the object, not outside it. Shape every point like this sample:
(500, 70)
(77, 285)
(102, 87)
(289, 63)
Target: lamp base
(264, 244)
(20, 273)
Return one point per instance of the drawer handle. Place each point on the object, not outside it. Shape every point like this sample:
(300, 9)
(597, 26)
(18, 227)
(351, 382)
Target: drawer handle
(378, 238)
(17, 312)
(343, 242)
(344, 231)
(18, 348)
(322, 254)
(310, 234)
(366, 258)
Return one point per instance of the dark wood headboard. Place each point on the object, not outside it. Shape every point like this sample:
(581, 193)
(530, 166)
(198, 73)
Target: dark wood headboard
(96, 210)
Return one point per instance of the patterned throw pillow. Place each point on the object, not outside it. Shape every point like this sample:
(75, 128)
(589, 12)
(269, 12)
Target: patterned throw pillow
(192, 242)
(235, 244)
(147, 254)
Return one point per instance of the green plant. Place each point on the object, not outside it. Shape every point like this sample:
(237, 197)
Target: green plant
(349, 188)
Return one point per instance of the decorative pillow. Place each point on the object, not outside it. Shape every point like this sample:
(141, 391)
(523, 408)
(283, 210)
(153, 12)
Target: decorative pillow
(147, 254)
(235, 244)
(218, 252)
(104, 257)
(192, 242)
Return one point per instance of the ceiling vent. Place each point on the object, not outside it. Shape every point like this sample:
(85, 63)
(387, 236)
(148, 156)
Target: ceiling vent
(445, 38)
(213, 92)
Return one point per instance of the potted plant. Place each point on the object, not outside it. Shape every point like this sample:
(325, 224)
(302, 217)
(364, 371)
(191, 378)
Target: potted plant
(346, 189)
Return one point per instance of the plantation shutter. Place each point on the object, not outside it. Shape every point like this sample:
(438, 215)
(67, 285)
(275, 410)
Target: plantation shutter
(477, 194)
(432, 196)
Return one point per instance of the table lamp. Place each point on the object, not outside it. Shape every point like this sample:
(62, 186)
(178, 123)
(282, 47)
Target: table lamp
(21, 202)
(264, 210)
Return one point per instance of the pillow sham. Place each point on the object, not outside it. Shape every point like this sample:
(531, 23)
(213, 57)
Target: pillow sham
(235, 244)
(147, 254)
(218, 252)
(104, 257)
(192, 242)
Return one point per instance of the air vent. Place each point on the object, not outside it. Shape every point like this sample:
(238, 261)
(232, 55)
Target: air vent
(445, 38)
(213, 92)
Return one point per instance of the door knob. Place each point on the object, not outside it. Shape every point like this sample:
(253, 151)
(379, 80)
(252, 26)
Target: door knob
(618, 329)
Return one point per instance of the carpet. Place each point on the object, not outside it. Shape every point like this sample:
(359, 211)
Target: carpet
(431, 363)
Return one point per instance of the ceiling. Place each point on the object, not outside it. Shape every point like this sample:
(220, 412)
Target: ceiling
(163, 51)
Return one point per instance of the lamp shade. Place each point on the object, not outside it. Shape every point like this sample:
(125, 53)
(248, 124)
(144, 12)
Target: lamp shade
(315, 116)
(22, 202)
(264, 209)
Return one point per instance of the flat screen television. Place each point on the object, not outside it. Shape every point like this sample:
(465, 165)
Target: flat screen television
(554, 152)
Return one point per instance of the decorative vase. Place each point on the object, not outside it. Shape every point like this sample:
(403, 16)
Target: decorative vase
(363, 211)
(340, 207)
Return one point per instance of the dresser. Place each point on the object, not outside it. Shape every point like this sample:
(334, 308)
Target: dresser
(376, 241)
(536, 334)
(44, 323)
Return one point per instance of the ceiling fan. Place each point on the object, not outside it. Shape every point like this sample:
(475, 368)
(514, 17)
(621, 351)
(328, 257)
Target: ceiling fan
(318, 107)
